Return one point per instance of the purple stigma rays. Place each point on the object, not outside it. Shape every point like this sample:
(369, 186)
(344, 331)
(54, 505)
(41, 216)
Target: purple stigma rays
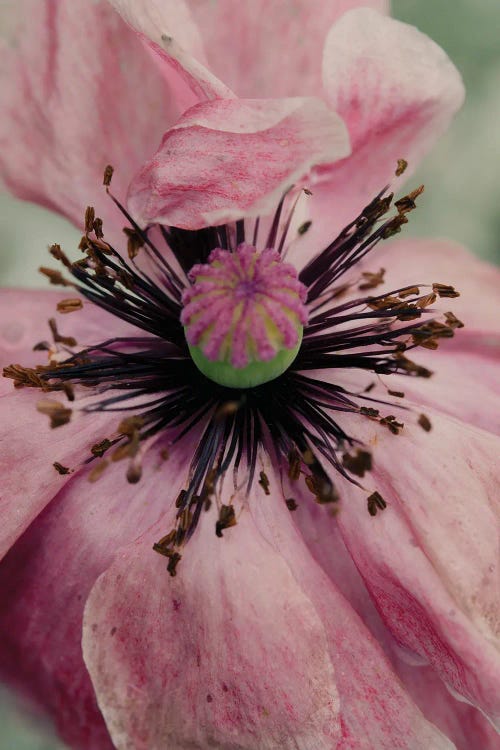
(244, 309)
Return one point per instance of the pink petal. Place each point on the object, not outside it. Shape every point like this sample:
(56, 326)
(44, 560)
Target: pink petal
(168, 29)
(412, 261)
(268, 49)
(397, 92)
(250, 646)
(463, 724)
(229, 158)
(80, 92)
(430, 560)
(47, 575)
(28, 446)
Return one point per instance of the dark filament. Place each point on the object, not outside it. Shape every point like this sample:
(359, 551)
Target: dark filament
(152, 383)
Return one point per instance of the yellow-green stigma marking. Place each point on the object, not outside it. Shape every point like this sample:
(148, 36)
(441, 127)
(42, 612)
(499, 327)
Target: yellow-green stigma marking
(244, 316)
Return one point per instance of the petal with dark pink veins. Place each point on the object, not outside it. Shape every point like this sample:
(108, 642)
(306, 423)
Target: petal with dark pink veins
(397, 92)
(80, 91)
(430, 560)
(231, 158)
(249, 646)
(266, 49)
(46, 577)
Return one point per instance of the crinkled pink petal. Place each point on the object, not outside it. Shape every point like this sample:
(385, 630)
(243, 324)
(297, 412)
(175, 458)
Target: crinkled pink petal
(46, 577)
(430, 560)
(167, 27)
(229, 158)
(250, 646)
(268, 49)
(397, 92)
(463, 724)
(80, 92)
(28, 447)
(460, 722)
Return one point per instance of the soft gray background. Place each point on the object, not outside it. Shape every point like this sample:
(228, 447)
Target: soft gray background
(461, 202)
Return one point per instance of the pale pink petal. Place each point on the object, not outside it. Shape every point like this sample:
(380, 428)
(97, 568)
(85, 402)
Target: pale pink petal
(24, 316)
(46, 577)
(397, 92)
(464, 384)
(430, 560)
(229, 158)
(80, 91)
(29, 447)
(269, 49)
(463, 724)
(250, 646)
(413, 261)
(167, 27)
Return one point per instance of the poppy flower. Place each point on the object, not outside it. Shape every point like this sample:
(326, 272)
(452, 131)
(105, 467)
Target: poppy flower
(248, 386)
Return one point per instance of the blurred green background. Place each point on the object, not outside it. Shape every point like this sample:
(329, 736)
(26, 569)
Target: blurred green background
(461, 202)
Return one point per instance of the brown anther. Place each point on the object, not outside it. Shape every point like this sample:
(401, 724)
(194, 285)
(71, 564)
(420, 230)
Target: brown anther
(374, 210)
(89, 219)
(264, 482)
(69, 305)
(375, 503)
(134, 472)
(393, 226)
(129, 425)
(98, 470)
(42, 346)
(307, 191)
(371, 280)
(25, 376)
(359, 463)
(425, 423)
(396, 394)
(173, 562)
(304, 227)
(134, 242)
(60, 468)
(412, 290)
(411, 367)
(97, 227)
(68, 390)
(99, 449)
(407, 203)
(294, 464)
(58, 339)
(402, 165)
(383, 303)
(180, 499)
(57, 253)
(84, 244)
(452, 321)
(291, 503)
(445, 290)
(55, 277)
(322, 489)
(391, 424)
(108, 174)
(58, 413)
(426, 301)
(227, 519)
(368, 411)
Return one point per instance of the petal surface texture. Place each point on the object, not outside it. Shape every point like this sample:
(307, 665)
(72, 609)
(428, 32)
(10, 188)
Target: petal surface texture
(397, 92)
(231, 158)
(249, 647)
(80, 92)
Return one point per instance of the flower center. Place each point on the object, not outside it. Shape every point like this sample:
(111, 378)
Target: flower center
(243, 316)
